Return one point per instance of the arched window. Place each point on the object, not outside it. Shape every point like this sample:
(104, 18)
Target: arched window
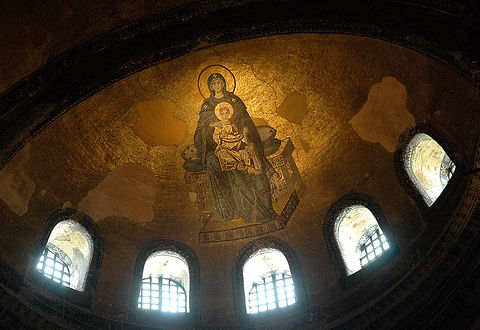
(359, 237)
(428, 166)
(267, 281)
(165, 283)
(357, 234)
(67, 255)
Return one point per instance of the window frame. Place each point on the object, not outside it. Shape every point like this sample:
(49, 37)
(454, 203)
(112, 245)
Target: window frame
(50, 248)
(187, 319)
(160, 283)
(275, 287)
(369, 240)
(407, 182)
(336, 257)
(82, 298)
(286, 312)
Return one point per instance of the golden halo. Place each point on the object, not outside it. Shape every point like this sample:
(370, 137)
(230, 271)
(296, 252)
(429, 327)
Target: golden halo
(223, 105)
(215, 68)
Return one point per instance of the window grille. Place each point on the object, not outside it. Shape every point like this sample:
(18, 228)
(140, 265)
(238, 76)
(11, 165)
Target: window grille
(447, 168)
(163, 294)
(372, 244)
(53, 263)
(274, 290)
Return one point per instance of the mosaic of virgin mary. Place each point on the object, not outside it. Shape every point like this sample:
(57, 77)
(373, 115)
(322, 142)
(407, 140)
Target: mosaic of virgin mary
(230, 150)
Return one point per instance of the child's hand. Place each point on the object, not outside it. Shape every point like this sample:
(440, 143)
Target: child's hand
(215, 124)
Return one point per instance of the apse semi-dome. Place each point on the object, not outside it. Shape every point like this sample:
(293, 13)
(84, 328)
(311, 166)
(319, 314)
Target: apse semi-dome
(301, 176)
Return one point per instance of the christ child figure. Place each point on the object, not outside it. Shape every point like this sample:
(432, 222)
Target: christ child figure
(232, 150)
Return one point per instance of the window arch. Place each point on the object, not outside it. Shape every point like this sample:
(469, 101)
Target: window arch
(423, 164)
(267, 278)
(68, 256)
(166, 283)
(267, 281)
(359, 237)
(356, 233)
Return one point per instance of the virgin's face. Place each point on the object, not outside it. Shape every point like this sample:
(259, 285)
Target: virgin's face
(217, 85)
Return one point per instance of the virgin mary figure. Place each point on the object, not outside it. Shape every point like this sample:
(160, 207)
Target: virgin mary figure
(236, 190)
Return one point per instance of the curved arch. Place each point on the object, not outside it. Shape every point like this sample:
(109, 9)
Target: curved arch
(407, 143)
(88, 268)
(238, 280)
(107, 59)
(189, 256)
(330, 229)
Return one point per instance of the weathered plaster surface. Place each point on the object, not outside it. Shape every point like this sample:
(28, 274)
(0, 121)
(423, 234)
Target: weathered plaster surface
(128, 191)
(293, 107)
(156, 125)
(385, 115)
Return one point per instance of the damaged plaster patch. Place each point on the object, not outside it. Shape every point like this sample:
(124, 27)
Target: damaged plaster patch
(384, 116)
(156, 124)
(293, 107)
(128, 191)
(16, 187)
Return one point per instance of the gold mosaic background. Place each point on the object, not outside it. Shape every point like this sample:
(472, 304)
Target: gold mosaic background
(343, 101)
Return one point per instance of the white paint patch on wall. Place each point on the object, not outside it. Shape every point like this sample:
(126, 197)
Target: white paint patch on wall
(128, 191)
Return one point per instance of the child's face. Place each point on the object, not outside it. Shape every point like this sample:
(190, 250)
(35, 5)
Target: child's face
(224, 114)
